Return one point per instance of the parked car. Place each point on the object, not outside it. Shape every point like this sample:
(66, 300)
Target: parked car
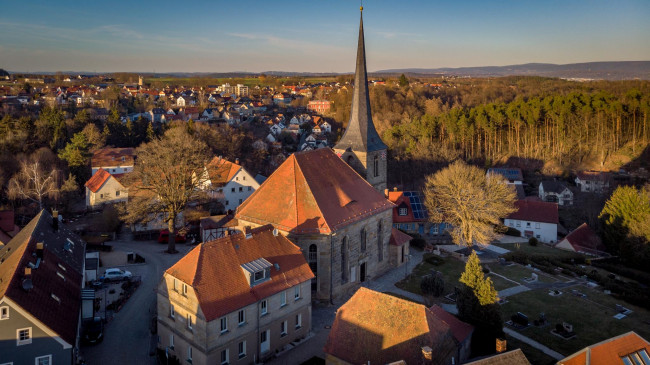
(93, 330)
(115, 274)
(164, 237)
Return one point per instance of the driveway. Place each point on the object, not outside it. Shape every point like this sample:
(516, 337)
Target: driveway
(127, 338)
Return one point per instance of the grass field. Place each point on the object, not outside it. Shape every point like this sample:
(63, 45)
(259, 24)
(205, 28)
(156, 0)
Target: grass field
(449, 267)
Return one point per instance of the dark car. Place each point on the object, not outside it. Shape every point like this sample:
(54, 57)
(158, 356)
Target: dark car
(93, 330)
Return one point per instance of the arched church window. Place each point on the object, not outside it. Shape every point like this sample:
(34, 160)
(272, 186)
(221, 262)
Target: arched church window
(363, 240)
(344, 260)
(376, 165)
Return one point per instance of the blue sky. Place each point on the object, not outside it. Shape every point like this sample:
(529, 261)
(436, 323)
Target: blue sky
(316, 36)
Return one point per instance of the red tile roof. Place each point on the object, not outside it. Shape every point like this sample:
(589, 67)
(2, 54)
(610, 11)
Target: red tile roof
(535, 211)
(221, 171)
(97, 180)
(593, 176)
(459, 329)
(380, 328)
(313, 192)
(585, 239)
(398, 198)
(608, 352)
(60, 316)
(398, 238)
(113, 157)
(214, 270)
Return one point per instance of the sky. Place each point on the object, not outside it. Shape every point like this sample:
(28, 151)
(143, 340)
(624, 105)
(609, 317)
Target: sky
(315, 35)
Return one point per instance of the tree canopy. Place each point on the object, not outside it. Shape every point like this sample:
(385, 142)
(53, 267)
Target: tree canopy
(463, 196)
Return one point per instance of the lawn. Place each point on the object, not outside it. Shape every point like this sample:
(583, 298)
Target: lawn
(450, 268)
(592, 318)
(501, 283)
(518, 272)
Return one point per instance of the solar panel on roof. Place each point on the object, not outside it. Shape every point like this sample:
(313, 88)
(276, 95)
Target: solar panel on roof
(419, 210)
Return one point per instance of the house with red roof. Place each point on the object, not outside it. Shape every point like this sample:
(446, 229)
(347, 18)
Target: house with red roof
(113, 160)
(228, 182)
(103, 188)
(626, 349)
(326, 208)
(411, 216)
(379, 328)
(41, 279)
(584, 240)
(535, 219)
(237, 299)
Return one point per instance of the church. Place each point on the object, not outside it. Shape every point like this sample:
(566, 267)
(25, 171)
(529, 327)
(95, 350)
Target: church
(331, 203)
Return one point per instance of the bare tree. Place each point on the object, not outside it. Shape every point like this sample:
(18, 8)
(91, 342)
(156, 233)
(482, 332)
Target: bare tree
(34, 182)
(164, 180)
(463, 196)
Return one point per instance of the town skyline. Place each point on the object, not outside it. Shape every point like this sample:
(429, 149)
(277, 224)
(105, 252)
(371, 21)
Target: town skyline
(306, 37)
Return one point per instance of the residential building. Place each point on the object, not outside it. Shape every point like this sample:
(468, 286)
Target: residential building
(584, 240)
(238, 299)
(555, 192)
(319, 106)
(626, 349)
(592, 181)
(218, 226)
(103, 188)
(241, 90)
(41, 278)
(411, 216)
(535, 219)
(113, 160)
(512, 174)
(340, 221)
(361, 146)
(378, 328)
(229, 182)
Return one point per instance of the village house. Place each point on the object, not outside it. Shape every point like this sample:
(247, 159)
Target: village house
(238, 299)
(217, 226)
(628, 348)
(410, 215)
(592, 181)
(512, 174)
(555, 192)
(41, 278)
(319, 106)
(366, 330)
(104, 188)
(535, 219)
(113, 160)
(228, 181)
(584, 240)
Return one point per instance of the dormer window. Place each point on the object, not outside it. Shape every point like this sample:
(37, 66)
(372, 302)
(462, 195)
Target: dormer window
(402, 211)
(257, 271)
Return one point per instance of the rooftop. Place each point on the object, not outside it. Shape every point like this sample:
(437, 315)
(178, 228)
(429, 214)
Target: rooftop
(535, 211)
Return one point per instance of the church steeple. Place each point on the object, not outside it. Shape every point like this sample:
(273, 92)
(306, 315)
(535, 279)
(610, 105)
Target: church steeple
(361, 147)
(361, 134)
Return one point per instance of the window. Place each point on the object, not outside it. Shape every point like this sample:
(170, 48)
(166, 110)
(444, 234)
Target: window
(241, 317)
(250, 188)
(189, 321)
(537, 225)
(434, 229)
(264, 309)
(363, 240)
(240, 201)
(227, 202)
(175, 285)
(224, 324)
(232, 190)
(296, 292)
(283, 299)
(402, 211)
(283, 328)
(344, 260)
(43, 360)
(117, 193)
(171, 311)
(189, 354)
(101, 196)
(298, 321)
(244, 178)
(242, 349)
(518, 224)
(4, 313)
(376, 165)
(23, 336)
(241, 189)
(237, 178)
(224, 356)
(260, 275)
(185, 289)
(171, 341)
(527, 224)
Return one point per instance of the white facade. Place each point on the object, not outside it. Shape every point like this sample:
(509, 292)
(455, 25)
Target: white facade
(544, 232)
(110, 192)
(238, 189)
(593, 186)
(564, 198)
(114, 170)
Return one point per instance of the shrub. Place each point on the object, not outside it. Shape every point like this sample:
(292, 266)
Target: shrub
(433, 260)
(433, 284)
(518, 257)
(533, 241)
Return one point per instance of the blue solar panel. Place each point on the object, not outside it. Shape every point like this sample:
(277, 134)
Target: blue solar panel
(419, 210)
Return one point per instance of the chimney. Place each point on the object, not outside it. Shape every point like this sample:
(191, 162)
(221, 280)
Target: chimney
(501, 345)
(39, 250)
(395, 188)
(386, 193)
(427, 352)
(55, 220)
(237, 161)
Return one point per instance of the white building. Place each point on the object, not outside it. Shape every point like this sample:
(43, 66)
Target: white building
(103, 188)
(114, 160)
(535, 219)
(228, 182)
(241, 90)
(555, 192)
(592, 181)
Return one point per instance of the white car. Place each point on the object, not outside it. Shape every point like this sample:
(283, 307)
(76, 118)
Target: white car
(115, 274)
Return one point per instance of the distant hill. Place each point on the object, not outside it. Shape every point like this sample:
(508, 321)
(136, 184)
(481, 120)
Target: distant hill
(623, 70)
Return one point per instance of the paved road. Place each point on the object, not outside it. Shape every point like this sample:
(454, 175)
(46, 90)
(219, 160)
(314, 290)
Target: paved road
(127, 339)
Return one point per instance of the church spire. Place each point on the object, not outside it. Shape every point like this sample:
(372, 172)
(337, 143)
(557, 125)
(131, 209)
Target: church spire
(361, 135)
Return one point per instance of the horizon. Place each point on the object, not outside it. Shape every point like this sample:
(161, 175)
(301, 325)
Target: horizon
(317, 38)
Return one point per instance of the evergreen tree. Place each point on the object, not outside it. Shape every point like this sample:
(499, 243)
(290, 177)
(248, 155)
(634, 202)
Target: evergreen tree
(473, 275)
(403, 81)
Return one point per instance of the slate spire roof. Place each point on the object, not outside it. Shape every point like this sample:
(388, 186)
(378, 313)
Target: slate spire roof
(360, 134)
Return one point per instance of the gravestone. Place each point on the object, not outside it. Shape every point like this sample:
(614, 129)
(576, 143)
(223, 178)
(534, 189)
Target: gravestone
(533, 277)
(567, 327)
